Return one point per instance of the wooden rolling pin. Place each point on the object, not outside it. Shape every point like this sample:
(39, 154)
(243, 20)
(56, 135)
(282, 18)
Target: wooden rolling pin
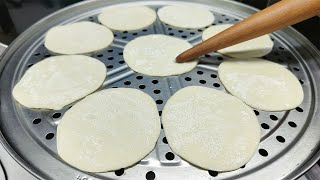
(275, 17)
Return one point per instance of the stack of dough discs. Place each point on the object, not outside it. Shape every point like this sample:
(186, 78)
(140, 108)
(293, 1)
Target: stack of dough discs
(127, 18)
(210, 128)
(58, 81)
(261, 84)
(155, 55)
(78, 38)
(257, 47)
(109, 130)
(183, 16)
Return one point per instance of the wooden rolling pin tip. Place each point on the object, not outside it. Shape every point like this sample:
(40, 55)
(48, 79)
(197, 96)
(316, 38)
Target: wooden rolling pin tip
(180, 58)
(186, 56)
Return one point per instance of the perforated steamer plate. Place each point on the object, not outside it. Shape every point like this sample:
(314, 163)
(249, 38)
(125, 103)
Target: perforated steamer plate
(289, 140)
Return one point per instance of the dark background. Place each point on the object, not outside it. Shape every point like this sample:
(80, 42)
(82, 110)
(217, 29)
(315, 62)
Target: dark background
(17, 15)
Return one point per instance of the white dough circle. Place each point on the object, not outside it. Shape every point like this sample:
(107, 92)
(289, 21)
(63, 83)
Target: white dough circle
(78, 38)
(109, 130)
(257, 47)
(127, 18)
(261, 84)
(58, 81)
(184, 16)
(211, 129)
(155, 55)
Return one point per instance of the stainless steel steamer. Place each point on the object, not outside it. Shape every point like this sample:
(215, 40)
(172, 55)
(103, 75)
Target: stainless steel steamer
(290, 139)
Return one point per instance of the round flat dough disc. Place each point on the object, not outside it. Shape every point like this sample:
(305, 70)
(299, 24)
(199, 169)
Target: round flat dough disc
(257, 47)
(58, 81)
(109, 130)
(127, 18)
(183, 16)
(211, 129)
(155, 55)
(78, 38)
(261, 84)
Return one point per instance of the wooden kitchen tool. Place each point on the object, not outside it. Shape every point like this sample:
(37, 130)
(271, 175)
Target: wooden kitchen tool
(275, 17)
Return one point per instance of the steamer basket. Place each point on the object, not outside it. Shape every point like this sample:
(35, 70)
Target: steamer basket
(289, 140)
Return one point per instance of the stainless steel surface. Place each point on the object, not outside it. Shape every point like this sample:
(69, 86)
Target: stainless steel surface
(314, 172)
(2, 48)
(26, 138)
(2, 174)
(9, 168)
